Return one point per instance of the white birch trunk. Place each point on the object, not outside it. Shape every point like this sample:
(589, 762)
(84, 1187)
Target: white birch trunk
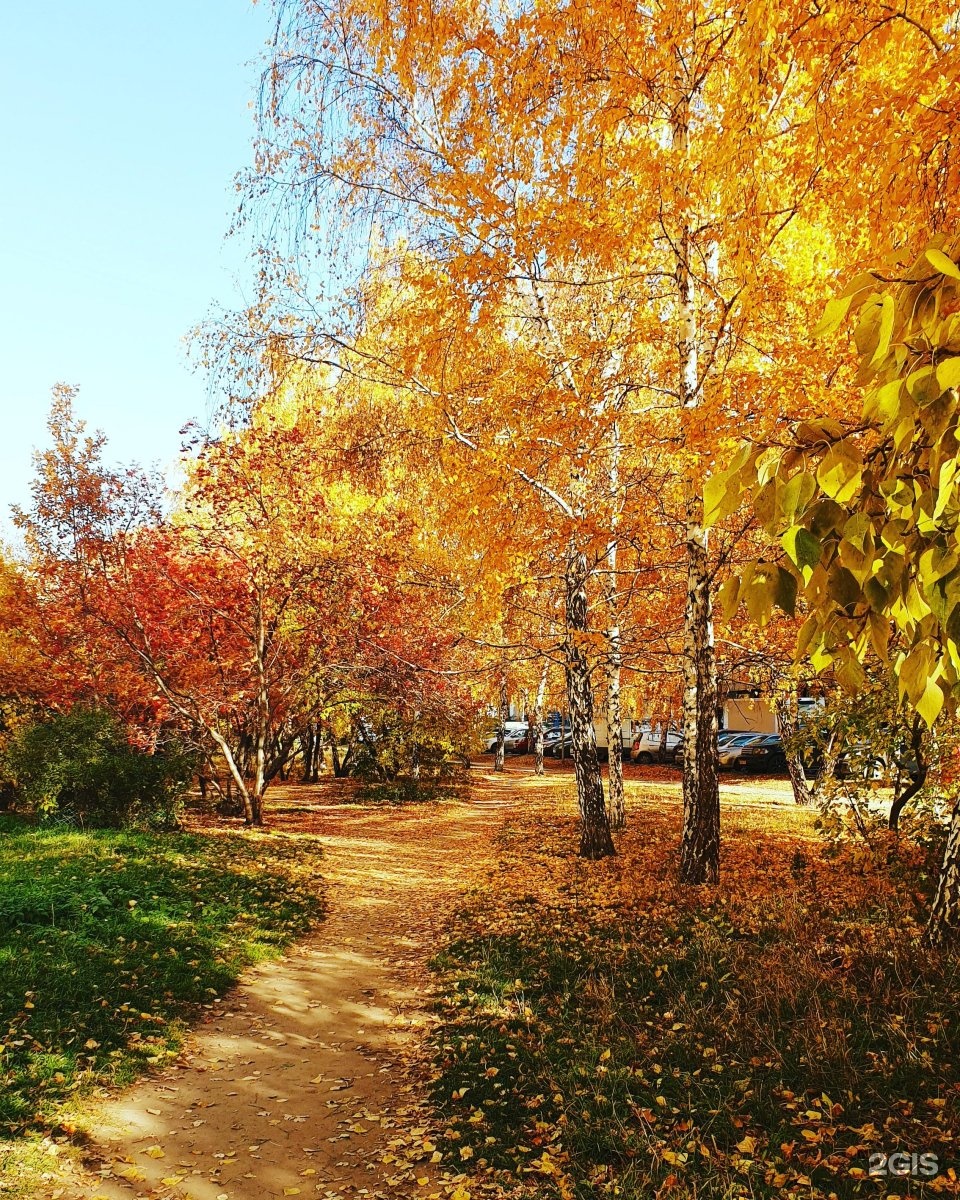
(538, 719)
(595, 839)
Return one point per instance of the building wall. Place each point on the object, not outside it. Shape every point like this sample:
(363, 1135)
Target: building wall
(749, 714)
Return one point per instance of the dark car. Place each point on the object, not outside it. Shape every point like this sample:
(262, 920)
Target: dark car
(765, 753)
(725, 739)
(729, 749)
(558, 746)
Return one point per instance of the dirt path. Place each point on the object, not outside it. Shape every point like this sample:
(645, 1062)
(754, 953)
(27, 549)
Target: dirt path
(299, 1083)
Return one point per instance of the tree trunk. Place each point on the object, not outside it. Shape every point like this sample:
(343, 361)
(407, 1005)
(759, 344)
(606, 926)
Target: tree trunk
(252, 812)
(263, 719)
(538, 719)
(664, 737)
(918, 775)
(360, 737)
(789, 722)
(595, 839)
(319, 753)
(415, 755)
(943, 928)
(700, 842)
(503, 714)
(308, 744)
(336, 761)
(616, 807)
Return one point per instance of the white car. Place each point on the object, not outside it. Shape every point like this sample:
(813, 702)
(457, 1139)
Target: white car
(509, 727)
(647, 743)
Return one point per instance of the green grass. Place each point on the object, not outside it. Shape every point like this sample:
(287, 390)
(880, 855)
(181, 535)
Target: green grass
(737, 1043)
(108, 939)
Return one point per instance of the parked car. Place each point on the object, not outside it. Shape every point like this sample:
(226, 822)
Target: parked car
(724, 738)
(730, 750)
(511, 727)
(647, 743)
(860, 762)
(765, 753)
(559, 745)
(517, 741)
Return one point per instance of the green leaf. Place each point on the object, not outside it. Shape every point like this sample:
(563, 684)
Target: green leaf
(785, 591)
(803, 548)
(797, 493)
(843, 587)
(923, 386)
(721, 496)
(941, 263)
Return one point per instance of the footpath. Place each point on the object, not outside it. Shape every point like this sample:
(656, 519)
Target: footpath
(306, 1078)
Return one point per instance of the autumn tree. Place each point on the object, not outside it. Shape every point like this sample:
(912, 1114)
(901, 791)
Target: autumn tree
(866, 511)
(552, 190)
(267, 594)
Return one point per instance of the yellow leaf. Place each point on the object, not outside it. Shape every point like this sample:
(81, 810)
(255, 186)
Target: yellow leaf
(460, 1194)
(941, 263)
(155, 1152)
(747, 1145)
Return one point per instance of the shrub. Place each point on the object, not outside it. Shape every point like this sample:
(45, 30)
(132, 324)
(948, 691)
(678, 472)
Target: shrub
(80, 767)
(403, 761)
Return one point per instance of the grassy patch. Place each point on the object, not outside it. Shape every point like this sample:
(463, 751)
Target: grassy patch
(107, 938)
(605, 1032)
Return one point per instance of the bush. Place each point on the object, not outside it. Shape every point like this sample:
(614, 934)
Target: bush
(402, 762)
(80, 767)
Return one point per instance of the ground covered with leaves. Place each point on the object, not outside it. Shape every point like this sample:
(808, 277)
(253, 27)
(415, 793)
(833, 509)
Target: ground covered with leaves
(108, 940)
(605, 1032)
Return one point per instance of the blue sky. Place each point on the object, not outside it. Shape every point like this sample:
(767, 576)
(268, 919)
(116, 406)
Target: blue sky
(122, 126)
